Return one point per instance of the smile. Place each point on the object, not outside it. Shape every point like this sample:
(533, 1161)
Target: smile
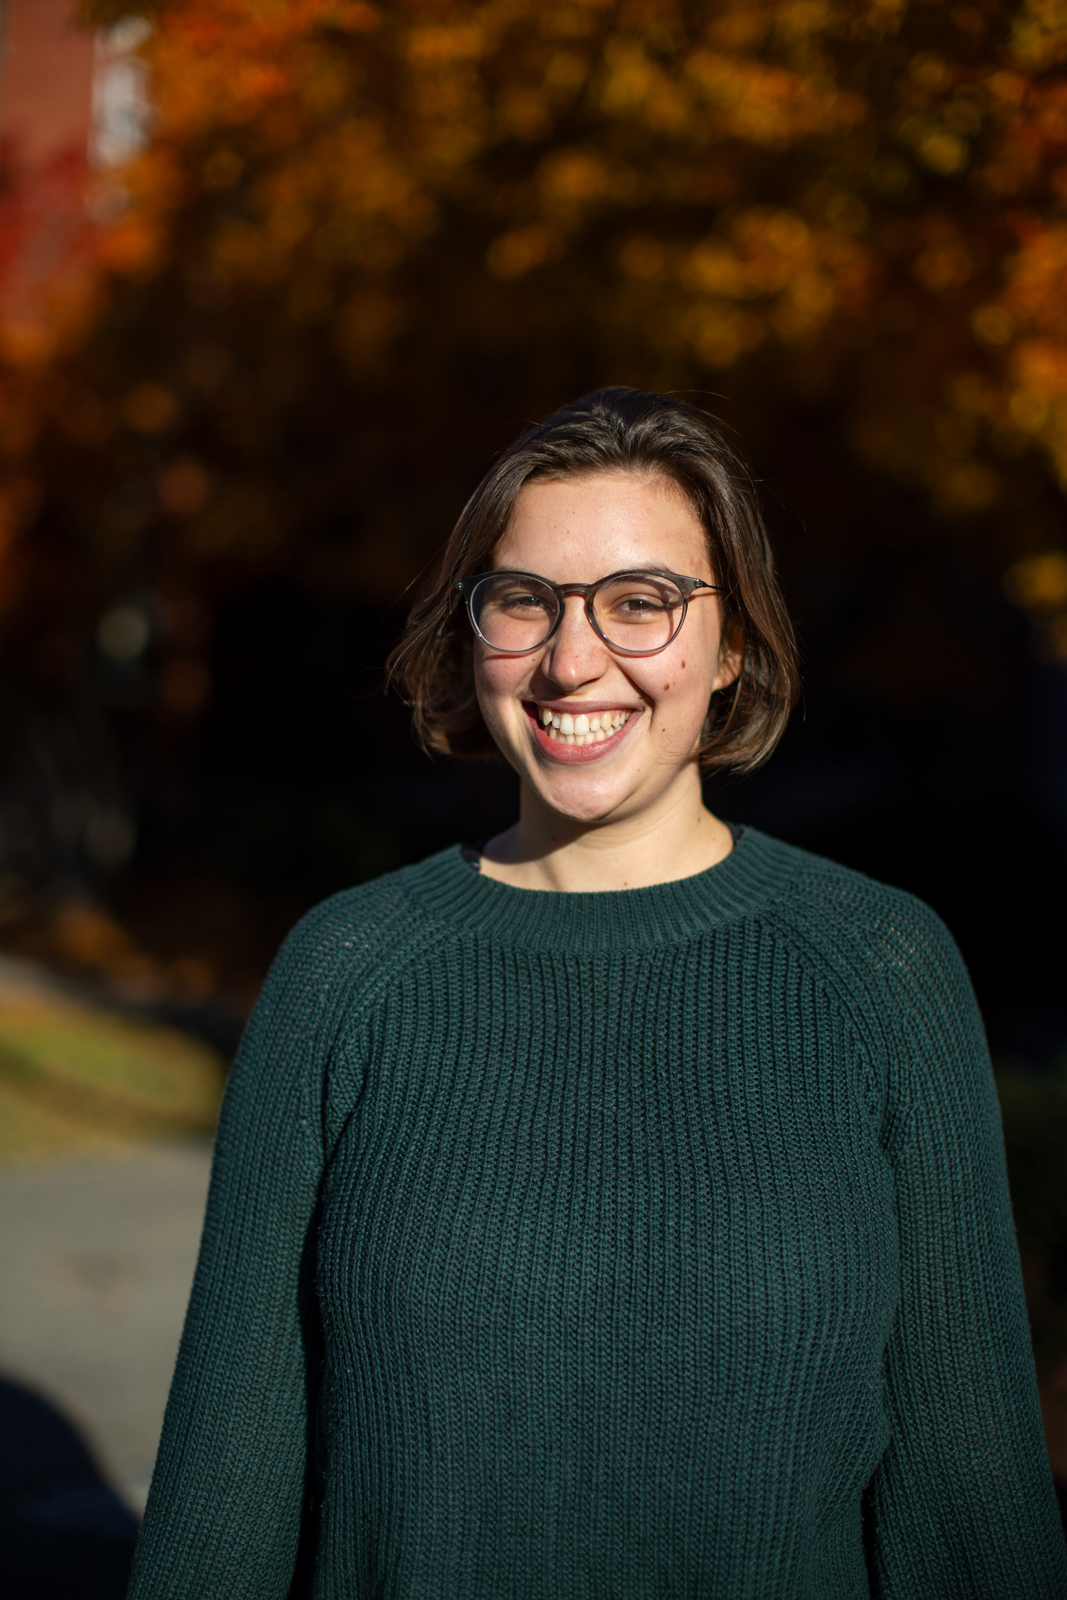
(565, 729)
(562, 734)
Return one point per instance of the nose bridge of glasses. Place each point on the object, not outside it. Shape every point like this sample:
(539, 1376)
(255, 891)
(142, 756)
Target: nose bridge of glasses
(569, 617)
(574, 627)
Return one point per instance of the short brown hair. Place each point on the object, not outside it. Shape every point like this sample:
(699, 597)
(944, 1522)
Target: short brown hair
(613, 430)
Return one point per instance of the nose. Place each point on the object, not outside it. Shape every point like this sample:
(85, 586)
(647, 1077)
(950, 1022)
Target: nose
(574, 655)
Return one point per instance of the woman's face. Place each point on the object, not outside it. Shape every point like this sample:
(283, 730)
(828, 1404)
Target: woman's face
(576, 531)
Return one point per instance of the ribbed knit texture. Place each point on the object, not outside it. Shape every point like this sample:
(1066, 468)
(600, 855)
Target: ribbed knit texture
(593, 1246)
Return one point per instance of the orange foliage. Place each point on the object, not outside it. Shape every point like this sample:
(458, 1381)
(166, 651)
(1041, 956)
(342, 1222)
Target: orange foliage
(854, 198)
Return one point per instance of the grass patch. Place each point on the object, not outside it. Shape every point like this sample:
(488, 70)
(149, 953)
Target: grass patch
(77, 1078)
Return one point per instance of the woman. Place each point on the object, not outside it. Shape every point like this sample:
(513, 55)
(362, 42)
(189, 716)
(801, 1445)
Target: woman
(617, 1210)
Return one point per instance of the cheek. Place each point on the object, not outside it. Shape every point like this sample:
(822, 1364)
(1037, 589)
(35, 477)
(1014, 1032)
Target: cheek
(682, 691)
(496, 683)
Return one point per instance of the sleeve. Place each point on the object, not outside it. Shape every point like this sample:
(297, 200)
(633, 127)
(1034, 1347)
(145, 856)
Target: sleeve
(962, 1504)
(225, 1509)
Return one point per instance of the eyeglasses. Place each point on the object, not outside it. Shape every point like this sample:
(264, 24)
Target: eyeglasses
(634, 613)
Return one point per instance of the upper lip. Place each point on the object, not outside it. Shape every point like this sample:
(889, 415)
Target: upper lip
(589, 707)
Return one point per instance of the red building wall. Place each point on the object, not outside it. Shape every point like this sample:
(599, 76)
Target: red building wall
(46, 90)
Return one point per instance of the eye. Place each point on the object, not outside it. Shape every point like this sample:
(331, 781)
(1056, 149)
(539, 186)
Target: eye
(513, 611)
(639, 611)
(633, 597)
(635, 604)
(521, 600)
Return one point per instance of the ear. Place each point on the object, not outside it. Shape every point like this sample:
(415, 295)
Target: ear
(731, 654)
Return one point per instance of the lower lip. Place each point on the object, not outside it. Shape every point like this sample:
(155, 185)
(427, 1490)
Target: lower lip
(571, 755)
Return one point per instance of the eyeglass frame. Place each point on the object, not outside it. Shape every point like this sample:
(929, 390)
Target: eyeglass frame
(687, 587)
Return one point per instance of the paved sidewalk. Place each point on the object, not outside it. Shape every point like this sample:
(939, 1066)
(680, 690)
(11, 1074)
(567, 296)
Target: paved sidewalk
(96, 1258)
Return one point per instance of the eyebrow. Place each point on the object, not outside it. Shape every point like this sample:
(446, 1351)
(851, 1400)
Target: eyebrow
(640, 566)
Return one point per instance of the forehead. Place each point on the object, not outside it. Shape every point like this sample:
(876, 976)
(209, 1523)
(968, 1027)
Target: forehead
(576, 529)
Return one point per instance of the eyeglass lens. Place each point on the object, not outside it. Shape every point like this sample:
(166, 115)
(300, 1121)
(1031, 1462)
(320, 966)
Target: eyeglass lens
(637, 611)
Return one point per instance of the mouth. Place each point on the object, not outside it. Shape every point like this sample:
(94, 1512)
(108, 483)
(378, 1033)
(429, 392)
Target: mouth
(570, 736)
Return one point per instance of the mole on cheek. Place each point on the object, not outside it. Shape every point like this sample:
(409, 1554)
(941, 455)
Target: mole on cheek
(683, 666)
(666, 686)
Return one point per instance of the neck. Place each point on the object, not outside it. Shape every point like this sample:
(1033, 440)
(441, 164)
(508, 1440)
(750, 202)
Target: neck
(676, 837)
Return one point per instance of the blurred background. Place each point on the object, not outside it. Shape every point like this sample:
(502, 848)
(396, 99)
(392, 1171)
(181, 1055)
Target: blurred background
(277, 280)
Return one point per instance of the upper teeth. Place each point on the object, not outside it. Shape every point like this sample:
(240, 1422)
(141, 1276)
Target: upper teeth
(582, 729)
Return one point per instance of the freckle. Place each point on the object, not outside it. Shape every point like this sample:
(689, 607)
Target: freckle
(666, 686)
(683, 663)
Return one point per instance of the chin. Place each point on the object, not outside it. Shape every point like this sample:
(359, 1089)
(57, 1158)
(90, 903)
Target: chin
(587, 816)
(580, 801)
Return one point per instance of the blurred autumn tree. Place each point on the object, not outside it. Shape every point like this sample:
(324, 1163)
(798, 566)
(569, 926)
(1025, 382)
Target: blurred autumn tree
(860, 199)
(365, 243)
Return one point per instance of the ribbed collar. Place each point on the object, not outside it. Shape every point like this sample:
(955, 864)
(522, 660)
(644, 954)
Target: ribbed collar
(757, 870)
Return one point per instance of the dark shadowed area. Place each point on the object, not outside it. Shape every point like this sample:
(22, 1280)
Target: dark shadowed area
(64, 1533)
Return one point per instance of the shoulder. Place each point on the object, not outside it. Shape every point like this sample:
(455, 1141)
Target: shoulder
(887, 938)
(345, 949)
(367, 923)
(891, 925)
(894, 967)
(895, 970)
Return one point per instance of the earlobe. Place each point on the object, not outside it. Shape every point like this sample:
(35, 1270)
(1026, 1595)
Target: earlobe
(729, 670)
(731, 657)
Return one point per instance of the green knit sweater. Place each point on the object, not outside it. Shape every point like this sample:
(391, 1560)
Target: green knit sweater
(588, 1246)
